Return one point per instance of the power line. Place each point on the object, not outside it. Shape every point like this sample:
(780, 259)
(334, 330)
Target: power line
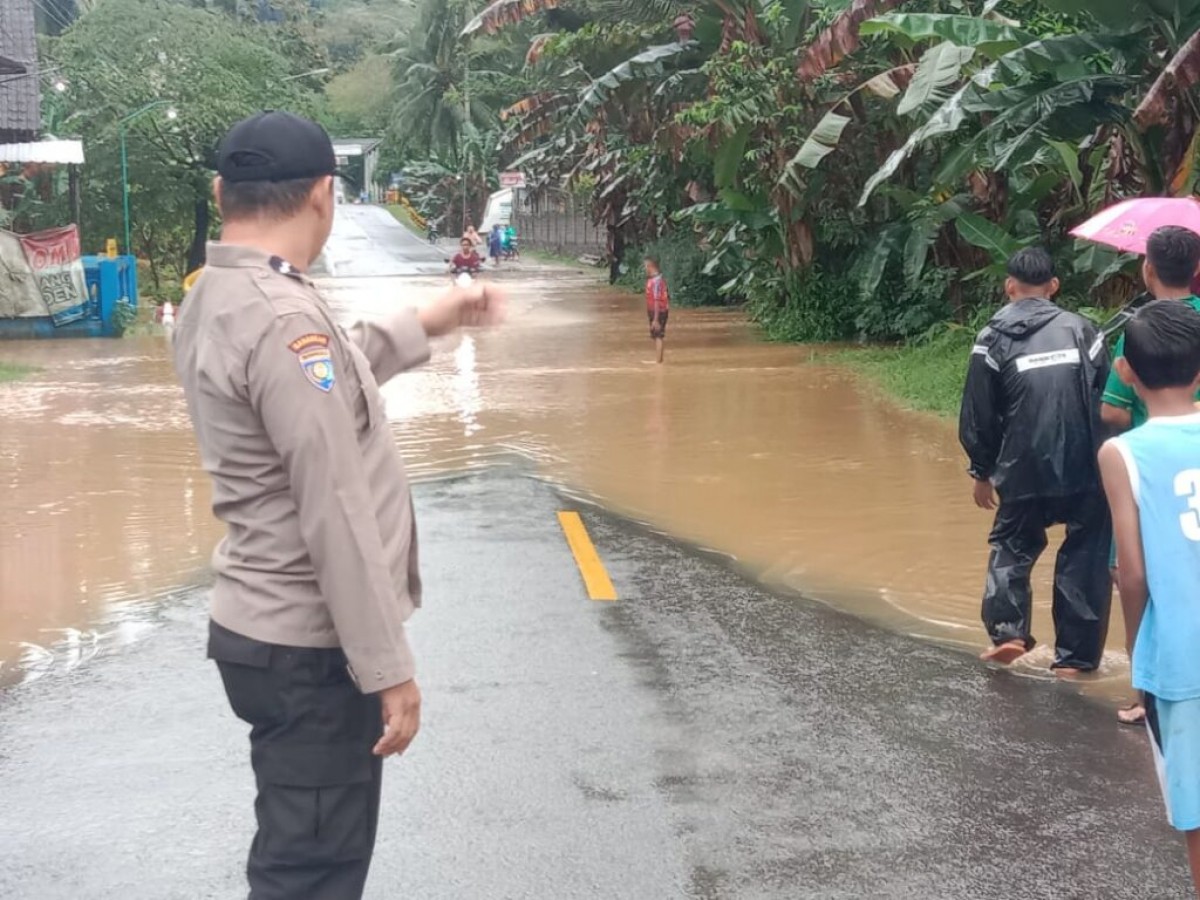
(37, 73)
(7, 81)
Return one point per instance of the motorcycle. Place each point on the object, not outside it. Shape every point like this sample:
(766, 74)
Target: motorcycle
(464, 276)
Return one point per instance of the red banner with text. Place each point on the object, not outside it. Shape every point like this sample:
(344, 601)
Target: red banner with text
(57, 265)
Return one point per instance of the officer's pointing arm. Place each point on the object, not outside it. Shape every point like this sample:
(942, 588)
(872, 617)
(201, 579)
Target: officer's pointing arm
(301, 389)
(392, 345)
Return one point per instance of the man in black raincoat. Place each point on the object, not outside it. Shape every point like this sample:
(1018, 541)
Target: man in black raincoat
(1030, 424)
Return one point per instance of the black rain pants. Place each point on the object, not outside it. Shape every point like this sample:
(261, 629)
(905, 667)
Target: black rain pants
(1082, 585)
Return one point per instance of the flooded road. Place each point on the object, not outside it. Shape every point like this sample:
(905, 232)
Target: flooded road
(803, 474)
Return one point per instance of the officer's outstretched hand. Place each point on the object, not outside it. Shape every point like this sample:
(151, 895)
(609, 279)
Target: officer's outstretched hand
(401, 718)
(480, 305)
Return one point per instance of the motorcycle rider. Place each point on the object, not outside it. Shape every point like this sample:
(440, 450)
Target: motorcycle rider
(467, 260)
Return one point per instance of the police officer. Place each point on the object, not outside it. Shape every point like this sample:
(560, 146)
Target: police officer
(318, 571)
(1030, 424)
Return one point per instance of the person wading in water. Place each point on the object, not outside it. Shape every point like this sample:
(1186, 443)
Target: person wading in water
(1030, 424)
(658, 305)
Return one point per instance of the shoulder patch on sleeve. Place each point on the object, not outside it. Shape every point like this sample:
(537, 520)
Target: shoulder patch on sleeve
(308, 341)
(316, 360)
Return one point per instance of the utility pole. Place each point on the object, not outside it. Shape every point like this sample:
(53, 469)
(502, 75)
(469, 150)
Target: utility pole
(122, 127)
(466, 122)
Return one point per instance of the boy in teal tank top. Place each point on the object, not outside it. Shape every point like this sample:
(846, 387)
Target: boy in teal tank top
(1152, 479)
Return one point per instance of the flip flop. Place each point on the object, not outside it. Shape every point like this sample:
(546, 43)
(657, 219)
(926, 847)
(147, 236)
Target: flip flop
(1126, 715)
(1004, 654)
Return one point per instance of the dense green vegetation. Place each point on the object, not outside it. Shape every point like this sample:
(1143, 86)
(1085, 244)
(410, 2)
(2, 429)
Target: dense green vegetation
(859, 169)
(848, 169)
(198, 68)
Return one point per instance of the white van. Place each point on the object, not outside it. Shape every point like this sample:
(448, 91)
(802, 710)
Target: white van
(498, 212)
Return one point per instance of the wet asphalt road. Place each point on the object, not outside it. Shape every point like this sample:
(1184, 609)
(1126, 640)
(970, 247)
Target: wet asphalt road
(368, 242)
(698, 738)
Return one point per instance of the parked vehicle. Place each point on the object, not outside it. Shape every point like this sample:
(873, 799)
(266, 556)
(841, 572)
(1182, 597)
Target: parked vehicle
(499, 211)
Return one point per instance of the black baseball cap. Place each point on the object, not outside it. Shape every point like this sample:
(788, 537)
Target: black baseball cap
(276, 146)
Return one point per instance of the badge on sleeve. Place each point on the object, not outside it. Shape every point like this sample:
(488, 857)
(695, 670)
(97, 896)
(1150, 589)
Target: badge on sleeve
(316, 360)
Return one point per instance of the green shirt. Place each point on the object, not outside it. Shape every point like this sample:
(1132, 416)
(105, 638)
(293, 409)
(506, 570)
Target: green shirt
(1119, 394)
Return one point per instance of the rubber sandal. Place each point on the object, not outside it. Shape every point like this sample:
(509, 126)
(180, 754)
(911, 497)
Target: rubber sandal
(1004, 654)
(1126, 716)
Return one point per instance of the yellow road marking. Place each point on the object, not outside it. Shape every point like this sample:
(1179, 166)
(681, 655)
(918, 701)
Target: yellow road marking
(595, 578)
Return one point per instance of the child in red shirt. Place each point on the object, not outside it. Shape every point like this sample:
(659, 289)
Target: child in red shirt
(466, 260)
(658, 304)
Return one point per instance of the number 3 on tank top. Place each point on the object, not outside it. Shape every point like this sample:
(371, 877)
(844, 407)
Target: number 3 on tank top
(1187, 484)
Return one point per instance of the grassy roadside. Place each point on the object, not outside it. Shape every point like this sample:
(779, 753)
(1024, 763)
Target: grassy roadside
(920, 378)
(400, 214)
(928, 376)
(14, 372)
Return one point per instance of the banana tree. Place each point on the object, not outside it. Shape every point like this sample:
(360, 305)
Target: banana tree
(1169, 113)
(1001, 134)
(500, 13)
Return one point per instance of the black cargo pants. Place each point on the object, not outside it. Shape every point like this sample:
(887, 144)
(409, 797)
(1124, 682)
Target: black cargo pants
(1082, 585)
(311, 734)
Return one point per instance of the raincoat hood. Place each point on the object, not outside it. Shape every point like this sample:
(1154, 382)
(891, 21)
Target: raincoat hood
(1024, 318)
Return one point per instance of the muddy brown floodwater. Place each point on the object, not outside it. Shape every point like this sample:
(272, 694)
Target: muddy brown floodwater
(807, 477)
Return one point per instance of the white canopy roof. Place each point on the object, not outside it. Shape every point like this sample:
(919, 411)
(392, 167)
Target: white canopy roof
(57, 152)
(355, 147)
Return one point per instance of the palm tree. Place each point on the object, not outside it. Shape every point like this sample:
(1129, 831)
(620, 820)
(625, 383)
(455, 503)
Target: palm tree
(443, 82)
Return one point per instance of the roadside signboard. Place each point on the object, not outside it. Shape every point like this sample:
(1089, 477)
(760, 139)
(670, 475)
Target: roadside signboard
(512, 179)
(57, 266)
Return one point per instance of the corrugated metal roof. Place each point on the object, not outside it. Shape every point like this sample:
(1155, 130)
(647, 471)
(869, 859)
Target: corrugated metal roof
(58, 152)
(21, 96)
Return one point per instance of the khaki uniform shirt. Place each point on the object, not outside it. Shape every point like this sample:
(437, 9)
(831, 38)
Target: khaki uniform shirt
(321, 549)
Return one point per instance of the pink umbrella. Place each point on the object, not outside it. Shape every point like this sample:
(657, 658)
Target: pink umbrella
(1128, 225)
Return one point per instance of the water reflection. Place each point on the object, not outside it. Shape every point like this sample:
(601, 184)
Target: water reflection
(812, 482)
(466, 386)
